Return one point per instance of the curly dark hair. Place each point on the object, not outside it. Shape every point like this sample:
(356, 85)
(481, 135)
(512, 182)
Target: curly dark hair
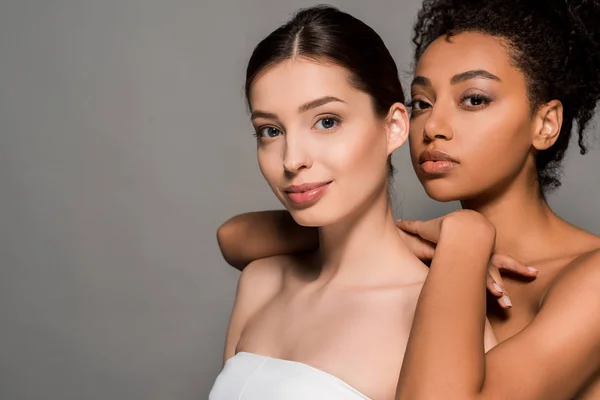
(555, 43)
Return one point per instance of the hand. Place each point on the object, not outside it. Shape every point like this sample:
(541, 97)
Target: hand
(432, 229)
(421, 248)
(421, 238)
(505, 264)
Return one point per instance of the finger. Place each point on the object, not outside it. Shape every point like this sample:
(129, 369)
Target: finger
(505, 302)
(493, 287)
(503, 299)
(409, 226)
(495, 274)
(428, 252)
(423, 249)
(428, 230)
(497, 281)
(506, 263)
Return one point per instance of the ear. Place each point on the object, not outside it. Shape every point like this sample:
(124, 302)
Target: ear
(548, 121)
(397, 124)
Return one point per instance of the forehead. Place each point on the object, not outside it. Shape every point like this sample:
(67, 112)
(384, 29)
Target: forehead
(297, 81)
(464, 52)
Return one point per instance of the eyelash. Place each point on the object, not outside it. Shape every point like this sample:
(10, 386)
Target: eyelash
(485, 101)
(411, 104)
(257, 132)
(337, 120)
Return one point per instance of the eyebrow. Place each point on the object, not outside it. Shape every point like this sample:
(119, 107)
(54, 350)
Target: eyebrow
(318, 103)
(458, 78)
(261, 114)
(303, 108)
(421, 81)
(478, 73)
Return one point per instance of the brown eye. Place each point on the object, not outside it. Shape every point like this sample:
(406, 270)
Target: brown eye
(475, 101)
(419, 105)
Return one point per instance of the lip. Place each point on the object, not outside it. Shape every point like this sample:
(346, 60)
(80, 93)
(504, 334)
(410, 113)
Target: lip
(435, 155)
(436, 162)
(306, 194)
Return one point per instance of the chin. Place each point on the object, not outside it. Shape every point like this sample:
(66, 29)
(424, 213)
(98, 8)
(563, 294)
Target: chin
(314, 216)
(309, 219)
(442, 191)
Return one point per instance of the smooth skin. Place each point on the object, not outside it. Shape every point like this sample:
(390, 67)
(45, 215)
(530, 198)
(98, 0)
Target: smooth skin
(550, 340)
(347, 308)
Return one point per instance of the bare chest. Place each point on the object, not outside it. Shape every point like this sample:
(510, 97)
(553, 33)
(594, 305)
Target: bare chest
(526, 298)
(358, 337)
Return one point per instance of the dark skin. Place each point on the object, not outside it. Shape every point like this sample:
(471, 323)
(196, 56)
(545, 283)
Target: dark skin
(550, 341)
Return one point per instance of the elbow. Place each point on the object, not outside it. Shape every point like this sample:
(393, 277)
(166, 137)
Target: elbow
(225, 234)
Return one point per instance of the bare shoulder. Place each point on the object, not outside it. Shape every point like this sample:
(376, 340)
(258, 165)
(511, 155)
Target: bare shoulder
(259, 284)
(265, 273)
(580, 279)
(262, 279)
(277, 269)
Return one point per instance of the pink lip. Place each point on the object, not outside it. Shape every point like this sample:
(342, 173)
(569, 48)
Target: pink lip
(306, 194)
(437, 167)
(435, 155)
(436, 162)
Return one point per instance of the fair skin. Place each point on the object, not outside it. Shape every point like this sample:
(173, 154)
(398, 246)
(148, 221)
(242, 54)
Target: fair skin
(549, 339)
(346, 309)
(550, 343)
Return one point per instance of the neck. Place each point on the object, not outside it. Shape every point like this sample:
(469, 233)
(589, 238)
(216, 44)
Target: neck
(366, 240)
(522, 218)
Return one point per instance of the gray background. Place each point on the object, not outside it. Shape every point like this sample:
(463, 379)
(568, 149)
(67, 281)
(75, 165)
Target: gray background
(124, 143)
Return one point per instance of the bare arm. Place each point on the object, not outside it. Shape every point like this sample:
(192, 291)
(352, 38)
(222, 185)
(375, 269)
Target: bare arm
(552, 358)
(445, 349)
(252, 236)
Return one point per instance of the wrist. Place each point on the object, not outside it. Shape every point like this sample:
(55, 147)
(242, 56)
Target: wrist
(469, 224)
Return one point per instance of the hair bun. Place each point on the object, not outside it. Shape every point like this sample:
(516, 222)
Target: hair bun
(583, 63)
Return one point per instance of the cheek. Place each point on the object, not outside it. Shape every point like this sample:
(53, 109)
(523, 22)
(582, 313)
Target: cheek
(497, 143)
(415, 139)
(359, 157)
(270, 163)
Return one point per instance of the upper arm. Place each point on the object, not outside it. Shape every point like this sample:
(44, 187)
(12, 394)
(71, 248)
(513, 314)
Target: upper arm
(559, 351)
(255, 235)
(259, 282)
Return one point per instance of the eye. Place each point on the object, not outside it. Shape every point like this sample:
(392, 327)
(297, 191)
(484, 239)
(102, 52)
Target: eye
(474, 101)
(327, 123)
(418, 105)
(268, 132)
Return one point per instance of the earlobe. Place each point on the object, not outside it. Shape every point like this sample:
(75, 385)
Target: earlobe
(547, 129)
(397, 126)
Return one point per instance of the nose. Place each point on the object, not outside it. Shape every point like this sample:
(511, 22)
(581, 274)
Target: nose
(296, 157)
(438, 126)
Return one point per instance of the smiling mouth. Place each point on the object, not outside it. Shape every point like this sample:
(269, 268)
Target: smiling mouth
(307, 194)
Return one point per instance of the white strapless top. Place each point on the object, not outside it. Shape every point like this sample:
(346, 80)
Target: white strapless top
(248, 376)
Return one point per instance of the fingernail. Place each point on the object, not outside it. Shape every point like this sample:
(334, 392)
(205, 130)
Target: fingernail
(507, 301)
(497, 287)
(532, 270)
